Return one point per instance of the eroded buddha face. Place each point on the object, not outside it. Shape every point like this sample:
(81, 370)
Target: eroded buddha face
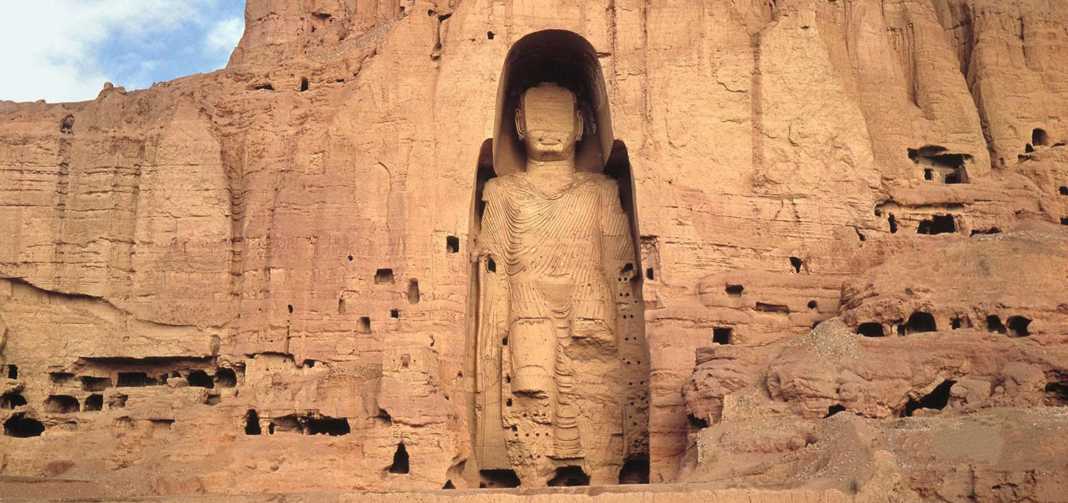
(548, 122)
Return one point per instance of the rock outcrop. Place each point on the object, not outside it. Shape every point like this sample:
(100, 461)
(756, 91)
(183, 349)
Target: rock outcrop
(257, 280)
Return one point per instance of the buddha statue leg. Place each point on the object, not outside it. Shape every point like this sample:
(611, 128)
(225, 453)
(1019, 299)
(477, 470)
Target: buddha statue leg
(566, 441)
(533, 348)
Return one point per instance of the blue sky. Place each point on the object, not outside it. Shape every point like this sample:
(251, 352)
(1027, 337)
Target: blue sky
(64, 50)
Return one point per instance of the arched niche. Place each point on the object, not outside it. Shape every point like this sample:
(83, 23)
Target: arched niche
(567, 59)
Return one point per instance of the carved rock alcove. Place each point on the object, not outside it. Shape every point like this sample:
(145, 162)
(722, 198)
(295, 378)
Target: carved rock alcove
(556, 339)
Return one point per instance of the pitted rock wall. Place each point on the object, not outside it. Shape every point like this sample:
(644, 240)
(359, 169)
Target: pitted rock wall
(286, 221)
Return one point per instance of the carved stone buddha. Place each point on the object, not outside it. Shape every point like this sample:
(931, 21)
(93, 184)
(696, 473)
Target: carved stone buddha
(556, 255)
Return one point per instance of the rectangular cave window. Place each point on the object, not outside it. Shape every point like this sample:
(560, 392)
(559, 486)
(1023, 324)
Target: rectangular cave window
(384, 276)
(650, 274)
(871, 329)
(452, 244)
(928, 174)
(333, 426)
(634, 471)
(394, 313)
(722, 335)
(90, 383)
(94, 402)
(413, 291)
(772, 308)
(61, 404)
(134, 379)
(938, 224)
(496, 479)
(363, 325)
(12, 372)
(60, 377)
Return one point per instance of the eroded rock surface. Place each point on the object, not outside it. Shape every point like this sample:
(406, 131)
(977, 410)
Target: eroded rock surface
(257, 280)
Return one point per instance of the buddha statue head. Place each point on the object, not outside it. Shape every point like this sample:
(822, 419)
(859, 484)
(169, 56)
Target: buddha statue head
(548, 123)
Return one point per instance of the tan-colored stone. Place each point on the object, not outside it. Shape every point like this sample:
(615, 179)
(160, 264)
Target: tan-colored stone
(297, 229)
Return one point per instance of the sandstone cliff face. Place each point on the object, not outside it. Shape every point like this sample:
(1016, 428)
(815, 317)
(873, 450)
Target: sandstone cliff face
(256, 279)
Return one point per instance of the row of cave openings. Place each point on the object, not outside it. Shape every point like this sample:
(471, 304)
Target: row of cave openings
(633, 471)
(317, 424)
(385, 276)
(725, 334)
(1056, 391)
(922, 321)
(22, 425)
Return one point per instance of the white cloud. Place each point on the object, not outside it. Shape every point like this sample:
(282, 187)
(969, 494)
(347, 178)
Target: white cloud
(49, 47)
(223, 37)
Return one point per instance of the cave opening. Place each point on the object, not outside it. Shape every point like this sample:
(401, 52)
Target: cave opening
(722, 335)
(993, 324)
(893, 224)
(13, 370)
(20, 426)
(734, 290)
(1018, 326)
(303, 84)
(60, 377)
(333, 426)
(12, 399)
(834, 409)
(569, 476)
(871, 329)
(448, 485)
(796, 263)
(90, 383)
(920, 322)
(400, 460)
(634, 471)
(497, 479)
(937, 224)
(200, 379)
(252, 423)
(413, 291)
(765, 307)
(363, 325)
(452, 244)
(384, 275)
(937, 399)
(61, 404)
(1057, 392)
(94, 402)
(394, 313)
(1039, 136)
(696, 423)
(226, 377)
(1063, 190)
